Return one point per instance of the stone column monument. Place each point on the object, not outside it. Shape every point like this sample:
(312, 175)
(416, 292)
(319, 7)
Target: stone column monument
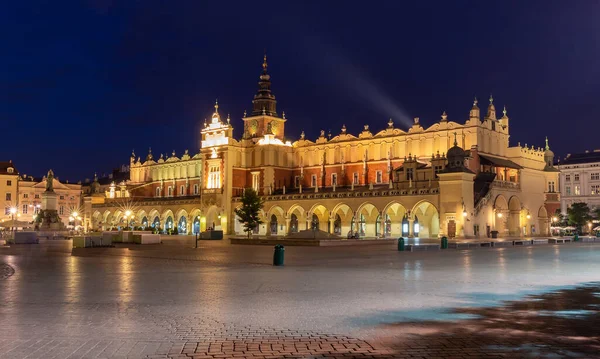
(48, 219)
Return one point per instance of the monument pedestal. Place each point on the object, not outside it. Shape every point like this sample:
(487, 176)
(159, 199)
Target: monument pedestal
(48, 219)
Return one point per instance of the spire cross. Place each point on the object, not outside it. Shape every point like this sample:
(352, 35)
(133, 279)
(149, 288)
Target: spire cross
(547, 146)
(455, 143)
(216, 105)
(264, 65)
(491, 99)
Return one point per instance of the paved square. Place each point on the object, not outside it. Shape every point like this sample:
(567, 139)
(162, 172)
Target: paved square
(223, 301)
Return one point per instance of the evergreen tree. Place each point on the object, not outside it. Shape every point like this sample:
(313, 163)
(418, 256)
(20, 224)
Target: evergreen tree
(578, 214)
(249, 212)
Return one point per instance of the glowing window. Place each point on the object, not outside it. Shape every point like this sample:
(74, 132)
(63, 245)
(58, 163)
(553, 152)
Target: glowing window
(214, 177)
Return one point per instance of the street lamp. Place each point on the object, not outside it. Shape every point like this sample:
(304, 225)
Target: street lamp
(13, 211)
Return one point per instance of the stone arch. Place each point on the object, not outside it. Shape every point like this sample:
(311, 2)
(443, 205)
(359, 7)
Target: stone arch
(318, 217)
(341, 215)
(514, 217)
(182, 221)
(140, 216)
(543, 222)
(276, 221)
(167, 220)
(501, 215)
(106, 220)
(426, 220)
(365, 219)
(117, 219)
(194, 220)
(213, 217)
(297, 217)
(391, 219)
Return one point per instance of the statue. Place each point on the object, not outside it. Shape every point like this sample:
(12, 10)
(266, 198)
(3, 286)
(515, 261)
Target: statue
(49, 181)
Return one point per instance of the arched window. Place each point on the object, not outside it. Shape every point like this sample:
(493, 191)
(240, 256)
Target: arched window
(182, 190)
(315, 222)
(157, 191)
(337, 225)
(195, 189)
(170, 191)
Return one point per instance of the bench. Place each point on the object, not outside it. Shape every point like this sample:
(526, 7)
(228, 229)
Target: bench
(560, 240)
(539, 241)
(422, 247)
(485, 244)
(91, 241)
(24, 238)
(588, 239)
(523, 242)
(502, 244)
(460, 245)
(146, 238)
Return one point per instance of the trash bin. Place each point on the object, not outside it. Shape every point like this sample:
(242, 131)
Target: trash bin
(444, 244)
(401, 244)
(576, 237)
(598, 234)
(494, 234)
(278, 255)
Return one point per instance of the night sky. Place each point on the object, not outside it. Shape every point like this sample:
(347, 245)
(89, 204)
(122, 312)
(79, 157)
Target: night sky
(85, 82)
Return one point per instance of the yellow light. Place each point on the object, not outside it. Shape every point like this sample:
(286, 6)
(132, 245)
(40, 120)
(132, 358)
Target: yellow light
(554, 219)
(74, 214)
(127, 213)
(464, 213)
(13, 210)
(499, 214)
(528, 216)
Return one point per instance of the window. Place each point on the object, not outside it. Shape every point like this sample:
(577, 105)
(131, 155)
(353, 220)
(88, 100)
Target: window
(313, 180)
(551, 186)
(297, 181)
(255, 181)
(595, 176)
(36, 196)
(214, 177)
(8, 182)
(62, 197)
(10, 170)
(61, 210)
(576, 177)
(409, 174)
(577, 190)
(378, 177)
(36, 209)
(437, 169)
(596, 189)
(334, 179)
(24, 209)
(8, 196)
(157, 191)
(195, 189)
(7, 210)
(170, 191)
(355, 178)
(25, 195)
(568, 178)
(182, 190)
(568, 190)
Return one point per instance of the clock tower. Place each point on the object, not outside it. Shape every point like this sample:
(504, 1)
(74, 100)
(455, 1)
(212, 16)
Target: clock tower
(264, 111)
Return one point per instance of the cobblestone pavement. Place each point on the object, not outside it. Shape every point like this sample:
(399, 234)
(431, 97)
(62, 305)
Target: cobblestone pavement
(223, 301)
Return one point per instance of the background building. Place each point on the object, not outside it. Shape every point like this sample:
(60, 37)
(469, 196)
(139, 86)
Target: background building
(9, 181)
(30, 193)
(580, 179)
(451, 178)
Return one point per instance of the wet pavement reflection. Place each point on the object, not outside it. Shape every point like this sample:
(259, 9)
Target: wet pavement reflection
(172, 299)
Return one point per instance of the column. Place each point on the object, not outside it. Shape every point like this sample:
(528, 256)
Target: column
(381, 224)
(330, 228)
(411, 229)
(287, 225)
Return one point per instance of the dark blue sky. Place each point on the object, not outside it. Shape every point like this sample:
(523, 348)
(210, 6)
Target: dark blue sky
(85, 82)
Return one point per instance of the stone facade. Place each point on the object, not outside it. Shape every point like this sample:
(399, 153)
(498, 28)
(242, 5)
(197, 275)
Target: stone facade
(580, 179)
(451, 178)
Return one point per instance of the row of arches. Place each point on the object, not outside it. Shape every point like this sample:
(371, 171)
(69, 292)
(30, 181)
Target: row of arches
(421, 220)
(512, 218)
(166, 221)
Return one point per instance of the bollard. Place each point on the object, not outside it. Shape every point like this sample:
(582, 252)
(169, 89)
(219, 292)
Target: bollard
(444, 244)
(575, 237)
(278, 255)
(401, 244)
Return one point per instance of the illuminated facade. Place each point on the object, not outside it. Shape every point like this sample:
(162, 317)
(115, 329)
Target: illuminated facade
(68, 199)
(455, 179)
(580, 179)
(9, 179)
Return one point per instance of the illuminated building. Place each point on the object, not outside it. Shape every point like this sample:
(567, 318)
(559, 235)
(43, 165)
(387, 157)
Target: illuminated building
(455, 179)
(9, 179)
(580, 179)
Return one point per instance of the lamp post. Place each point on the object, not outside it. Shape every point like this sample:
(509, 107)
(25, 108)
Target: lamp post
(126, 217)
(13, 211)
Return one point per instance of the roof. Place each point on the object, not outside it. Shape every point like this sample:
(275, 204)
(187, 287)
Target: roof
(500, 162)
(4, 165)
(578, 158)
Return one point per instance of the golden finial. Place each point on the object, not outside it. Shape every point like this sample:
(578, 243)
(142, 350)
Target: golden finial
(444, 116)
(475, 102)
(504, 111)
(491, 99)
(264, 65)
(216, 105)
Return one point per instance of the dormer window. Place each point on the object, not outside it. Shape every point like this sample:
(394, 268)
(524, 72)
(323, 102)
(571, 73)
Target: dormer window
(10, 170)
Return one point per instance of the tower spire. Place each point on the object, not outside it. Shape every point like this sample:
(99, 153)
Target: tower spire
(264, 98)
(547, 146)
